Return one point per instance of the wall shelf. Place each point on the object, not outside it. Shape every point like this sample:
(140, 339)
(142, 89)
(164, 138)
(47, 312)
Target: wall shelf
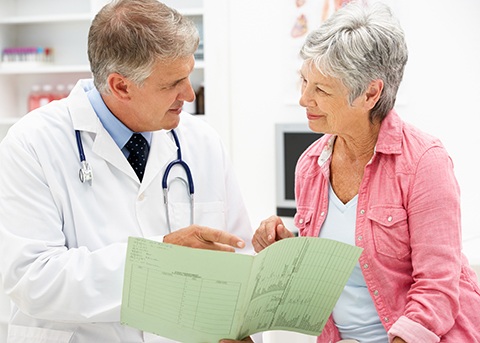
(63, 27)
(45, 19)
(26, 69)
(19, 69)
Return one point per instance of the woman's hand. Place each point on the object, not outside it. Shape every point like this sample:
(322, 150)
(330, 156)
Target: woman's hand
(269, 231)
(398, 340)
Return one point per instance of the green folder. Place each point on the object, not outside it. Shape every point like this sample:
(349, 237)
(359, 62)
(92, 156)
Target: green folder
(198, 296)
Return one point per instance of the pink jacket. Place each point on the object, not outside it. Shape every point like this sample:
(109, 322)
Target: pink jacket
(408, 223)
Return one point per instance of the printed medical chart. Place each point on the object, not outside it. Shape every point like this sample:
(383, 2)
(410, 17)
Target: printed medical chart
(197, 296)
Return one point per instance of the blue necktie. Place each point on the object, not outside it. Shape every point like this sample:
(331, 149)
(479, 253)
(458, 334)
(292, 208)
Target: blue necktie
(138, 147)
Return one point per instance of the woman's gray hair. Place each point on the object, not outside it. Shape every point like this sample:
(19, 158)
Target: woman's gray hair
(129, 36)
(359, 44)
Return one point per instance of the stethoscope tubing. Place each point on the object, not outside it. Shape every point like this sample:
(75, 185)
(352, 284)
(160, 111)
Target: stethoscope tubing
(85, 174)
(185, 166)
(189, 184)
(81, 153)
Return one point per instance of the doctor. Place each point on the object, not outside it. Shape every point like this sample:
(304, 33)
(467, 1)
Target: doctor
(63, 241)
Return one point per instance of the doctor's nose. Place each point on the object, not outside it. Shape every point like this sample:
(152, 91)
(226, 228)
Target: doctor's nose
(187, 93)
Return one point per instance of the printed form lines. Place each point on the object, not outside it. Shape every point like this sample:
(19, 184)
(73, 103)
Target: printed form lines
(185, 299)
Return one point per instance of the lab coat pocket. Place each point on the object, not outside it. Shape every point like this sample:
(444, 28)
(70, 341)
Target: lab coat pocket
(27, 334)
(390, 231)
(302, 221)
(211, 214)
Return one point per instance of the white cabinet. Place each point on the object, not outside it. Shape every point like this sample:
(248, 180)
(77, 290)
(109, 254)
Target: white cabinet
(63, 26)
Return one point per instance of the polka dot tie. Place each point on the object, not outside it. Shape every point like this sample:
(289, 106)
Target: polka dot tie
(138, 147)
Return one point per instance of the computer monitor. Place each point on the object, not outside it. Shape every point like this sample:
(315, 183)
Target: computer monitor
(291, 140)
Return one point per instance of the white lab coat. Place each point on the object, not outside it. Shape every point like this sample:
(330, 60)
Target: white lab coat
(63, 243)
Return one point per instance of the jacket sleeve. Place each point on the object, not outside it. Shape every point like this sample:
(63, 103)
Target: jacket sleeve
(435, 242)
(42, 277)
(411, 331)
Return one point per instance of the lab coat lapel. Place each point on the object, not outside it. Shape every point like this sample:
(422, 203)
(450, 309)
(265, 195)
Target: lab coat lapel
(105, 147)
(102, 144)
(162, 147)
(162, 151)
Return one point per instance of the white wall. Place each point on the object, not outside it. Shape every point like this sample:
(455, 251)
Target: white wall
(439, 95)
(443, 89)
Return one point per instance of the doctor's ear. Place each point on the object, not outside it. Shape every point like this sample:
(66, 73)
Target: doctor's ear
(119, 86)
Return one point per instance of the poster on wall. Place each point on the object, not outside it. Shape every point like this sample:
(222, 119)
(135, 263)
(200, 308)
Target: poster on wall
(314, 13)
(305, 16)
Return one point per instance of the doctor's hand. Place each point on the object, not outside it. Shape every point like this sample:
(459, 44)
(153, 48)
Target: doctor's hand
(270, 231)
(202, 237)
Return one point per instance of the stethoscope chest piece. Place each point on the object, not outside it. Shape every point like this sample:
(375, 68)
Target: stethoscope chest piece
(85, 173)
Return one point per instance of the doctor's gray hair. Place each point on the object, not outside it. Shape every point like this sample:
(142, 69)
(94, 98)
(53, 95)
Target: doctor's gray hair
(359, 44)
(129, 36)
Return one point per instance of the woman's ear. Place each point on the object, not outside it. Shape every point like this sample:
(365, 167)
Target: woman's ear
(119, 86)
(374, 90)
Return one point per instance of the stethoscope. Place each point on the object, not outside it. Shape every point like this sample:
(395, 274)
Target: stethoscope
(85, 175)
(188, 183)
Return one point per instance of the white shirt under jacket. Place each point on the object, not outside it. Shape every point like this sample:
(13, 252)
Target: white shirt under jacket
(63, 243)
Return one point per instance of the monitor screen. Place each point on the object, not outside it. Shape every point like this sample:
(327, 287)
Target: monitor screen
(291, 141)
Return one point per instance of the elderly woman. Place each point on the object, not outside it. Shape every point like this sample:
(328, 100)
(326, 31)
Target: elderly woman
(379, 183)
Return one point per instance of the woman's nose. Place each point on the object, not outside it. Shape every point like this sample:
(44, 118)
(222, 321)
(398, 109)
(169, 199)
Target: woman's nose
(306, 99)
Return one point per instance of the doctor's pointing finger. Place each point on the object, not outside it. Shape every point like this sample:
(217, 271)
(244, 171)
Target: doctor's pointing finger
(202, 237)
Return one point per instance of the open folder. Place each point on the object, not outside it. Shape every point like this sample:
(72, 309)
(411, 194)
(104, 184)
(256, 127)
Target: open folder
(198, 296)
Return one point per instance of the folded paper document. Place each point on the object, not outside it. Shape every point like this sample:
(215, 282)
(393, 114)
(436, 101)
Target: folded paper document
(198, 296)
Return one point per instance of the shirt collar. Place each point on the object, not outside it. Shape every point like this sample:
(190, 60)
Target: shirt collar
(389, 139)
(117, 130)
(390, 136)
(326, 151)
